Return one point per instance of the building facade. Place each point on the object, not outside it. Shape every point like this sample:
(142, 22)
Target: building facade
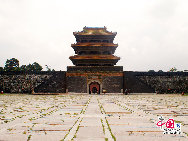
(94, 69)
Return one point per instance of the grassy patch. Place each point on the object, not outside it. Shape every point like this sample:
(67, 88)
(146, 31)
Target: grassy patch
(176, 121)
(10, 129)
(185, 133)
(114, 138)
(103, 126)
(29, 137)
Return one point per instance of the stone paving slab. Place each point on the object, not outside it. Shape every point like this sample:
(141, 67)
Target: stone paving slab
(90, 117)
(90, 131)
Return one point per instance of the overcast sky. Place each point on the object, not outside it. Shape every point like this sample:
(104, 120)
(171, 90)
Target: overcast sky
(151, 34)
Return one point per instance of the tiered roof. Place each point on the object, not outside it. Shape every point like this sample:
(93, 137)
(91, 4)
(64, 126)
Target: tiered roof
(94, 31)
(94, 57)
(94, 44)
(94, 47)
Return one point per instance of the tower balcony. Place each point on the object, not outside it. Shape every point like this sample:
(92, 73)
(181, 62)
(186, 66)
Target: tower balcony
(94, 60)
(94, 48)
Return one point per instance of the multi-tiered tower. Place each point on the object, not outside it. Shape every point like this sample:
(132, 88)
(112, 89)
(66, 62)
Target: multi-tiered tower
(94, 62)
(94, 47)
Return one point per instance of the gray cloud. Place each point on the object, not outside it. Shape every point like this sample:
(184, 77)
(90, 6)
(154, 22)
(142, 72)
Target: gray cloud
(151, 34)
(164, 9)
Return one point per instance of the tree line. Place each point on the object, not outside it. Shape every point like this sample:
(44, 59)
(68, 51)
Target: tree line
(13, 65)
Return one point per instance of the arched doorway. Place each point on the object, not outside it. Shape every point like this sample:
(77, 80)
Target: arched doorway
(94, 87)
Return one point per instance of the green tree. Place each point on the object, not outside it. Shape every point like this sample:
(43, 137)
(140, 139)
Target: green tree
(36, 67)
(173, 69)
(12, 65)
(1, 69)
(29, 67)
(23, 68)
(48, 68)
(151, 71)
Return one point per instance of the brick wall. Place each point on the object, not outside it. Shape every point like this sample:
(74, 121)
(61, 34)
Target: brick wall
(24, 82)
(149, 82)
(171, 83)
(112, 84)
(77, 84)
(59, 81)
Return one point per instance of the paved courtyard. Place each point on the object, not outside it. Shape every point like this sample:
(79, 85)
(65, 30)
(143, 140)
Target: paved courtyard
(90, 117)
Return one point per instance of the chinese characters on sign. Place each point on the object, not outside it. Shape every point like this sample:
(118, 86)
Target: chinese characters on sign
(169, 127)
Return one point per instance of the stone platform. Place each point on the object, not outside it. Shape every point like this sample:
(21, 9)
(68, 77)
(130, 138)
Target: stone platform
(90, 117)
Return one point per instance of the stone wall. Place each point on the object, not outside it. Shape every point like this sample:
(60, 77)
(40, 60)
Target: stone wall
(77, 84)
(166, 82)
(24, 82)
(94, 68)
(162, 82)
(112, 84)
(134, 85)
(55, 84)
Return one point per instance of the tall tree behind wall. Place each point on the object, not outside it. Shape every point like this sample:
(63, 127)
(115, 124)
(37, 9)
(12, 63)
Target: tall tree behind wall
(12, 65)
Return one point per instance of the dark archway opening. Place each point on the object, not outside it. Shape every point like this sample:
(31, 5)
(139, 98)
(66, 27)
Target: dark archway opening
(94, 88)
